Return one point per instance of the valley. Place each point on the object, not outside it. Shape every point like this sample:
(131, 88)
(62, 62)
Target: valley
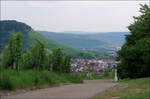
(107, 42)
(75, 49)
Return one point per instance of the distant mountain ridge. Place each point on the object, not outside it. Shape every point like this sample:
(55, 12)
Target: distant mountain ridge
(75, 41)
(85, 32)
(97, 40)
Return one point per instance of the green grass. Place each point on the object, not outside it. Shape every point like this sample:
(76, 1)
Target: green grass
(142, 95)
(93, 76)
(10, 79)
(129, 89)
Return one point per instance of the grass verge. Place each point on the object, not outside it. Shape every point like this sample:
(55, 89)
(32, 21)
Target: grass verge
(129, 89)
(10, 79)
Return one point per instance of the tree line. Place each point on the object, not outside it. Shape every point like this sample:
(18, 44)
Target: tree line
(37, 57)
(134, 55)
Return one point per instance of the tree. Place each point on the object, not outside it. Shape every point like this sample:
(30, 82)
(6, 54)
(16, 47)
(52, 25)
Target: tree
(13, 51)
(134, 55)
(34, 58)
(18, 50)
(6, 59)
(57, 58)
(48, 61)
(67, 63)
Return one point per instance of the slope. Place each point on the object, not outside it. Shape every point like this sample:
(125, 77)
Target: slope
(75, 40)
(29, 35)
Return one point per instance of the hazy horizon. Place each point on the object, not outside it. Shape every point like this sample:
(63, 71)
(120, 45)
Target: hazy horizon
(84, 16)
(83, 32)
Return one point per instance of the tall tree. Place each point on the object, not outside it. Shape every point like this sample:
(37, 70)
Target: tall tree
(18, 50)
(57, 58)
(68, 63)
(135, 53)
(48, 61)
(13, 51)
(6, 59)
(34, 58)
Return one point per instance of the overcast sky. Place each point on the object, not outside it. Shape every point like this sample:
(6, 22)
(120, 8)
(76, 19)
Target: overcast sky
(58, 16)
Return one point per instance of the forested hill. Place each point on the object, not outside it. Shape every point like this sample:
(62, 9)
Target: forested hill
(74, 40)
(29, 35)
(89, 40)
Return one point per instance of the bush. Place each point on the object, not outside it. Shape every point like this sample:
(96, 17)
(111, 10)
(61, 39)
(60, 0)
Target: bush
(106, 72)
(76, 78)
(50, 77)
(10, 82)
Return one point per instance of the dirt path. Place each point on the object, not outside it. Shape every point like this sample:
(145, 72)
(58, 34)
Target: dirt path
(86, 90)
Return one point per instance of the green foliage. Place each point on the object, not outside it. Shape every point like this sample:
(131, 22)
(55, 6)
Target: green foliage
(67, 63)
(57, 62)
(135, 53)
(29, 35)
(106, 72)
(6, 59)
(94, 75)
(48, 61)
(13, 51)
(34, 58)
(76, 79)
(11, 79)
(1, 67)
(140, 28)
(60, 63)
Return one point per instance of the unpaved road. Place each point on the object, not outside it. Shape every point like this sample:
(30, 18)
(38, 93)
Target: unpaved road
(86, 90)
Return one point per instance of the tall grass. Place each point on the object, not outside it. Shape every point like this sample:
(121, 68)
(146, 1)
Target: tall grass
(10, 79)
(93, 75)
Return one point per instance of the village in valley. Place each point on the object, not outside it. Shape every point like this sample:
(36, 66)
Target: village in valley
(93, 65)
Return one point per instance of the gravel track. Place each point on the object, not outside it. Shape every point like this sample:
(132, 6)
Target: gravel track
(88, 89)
